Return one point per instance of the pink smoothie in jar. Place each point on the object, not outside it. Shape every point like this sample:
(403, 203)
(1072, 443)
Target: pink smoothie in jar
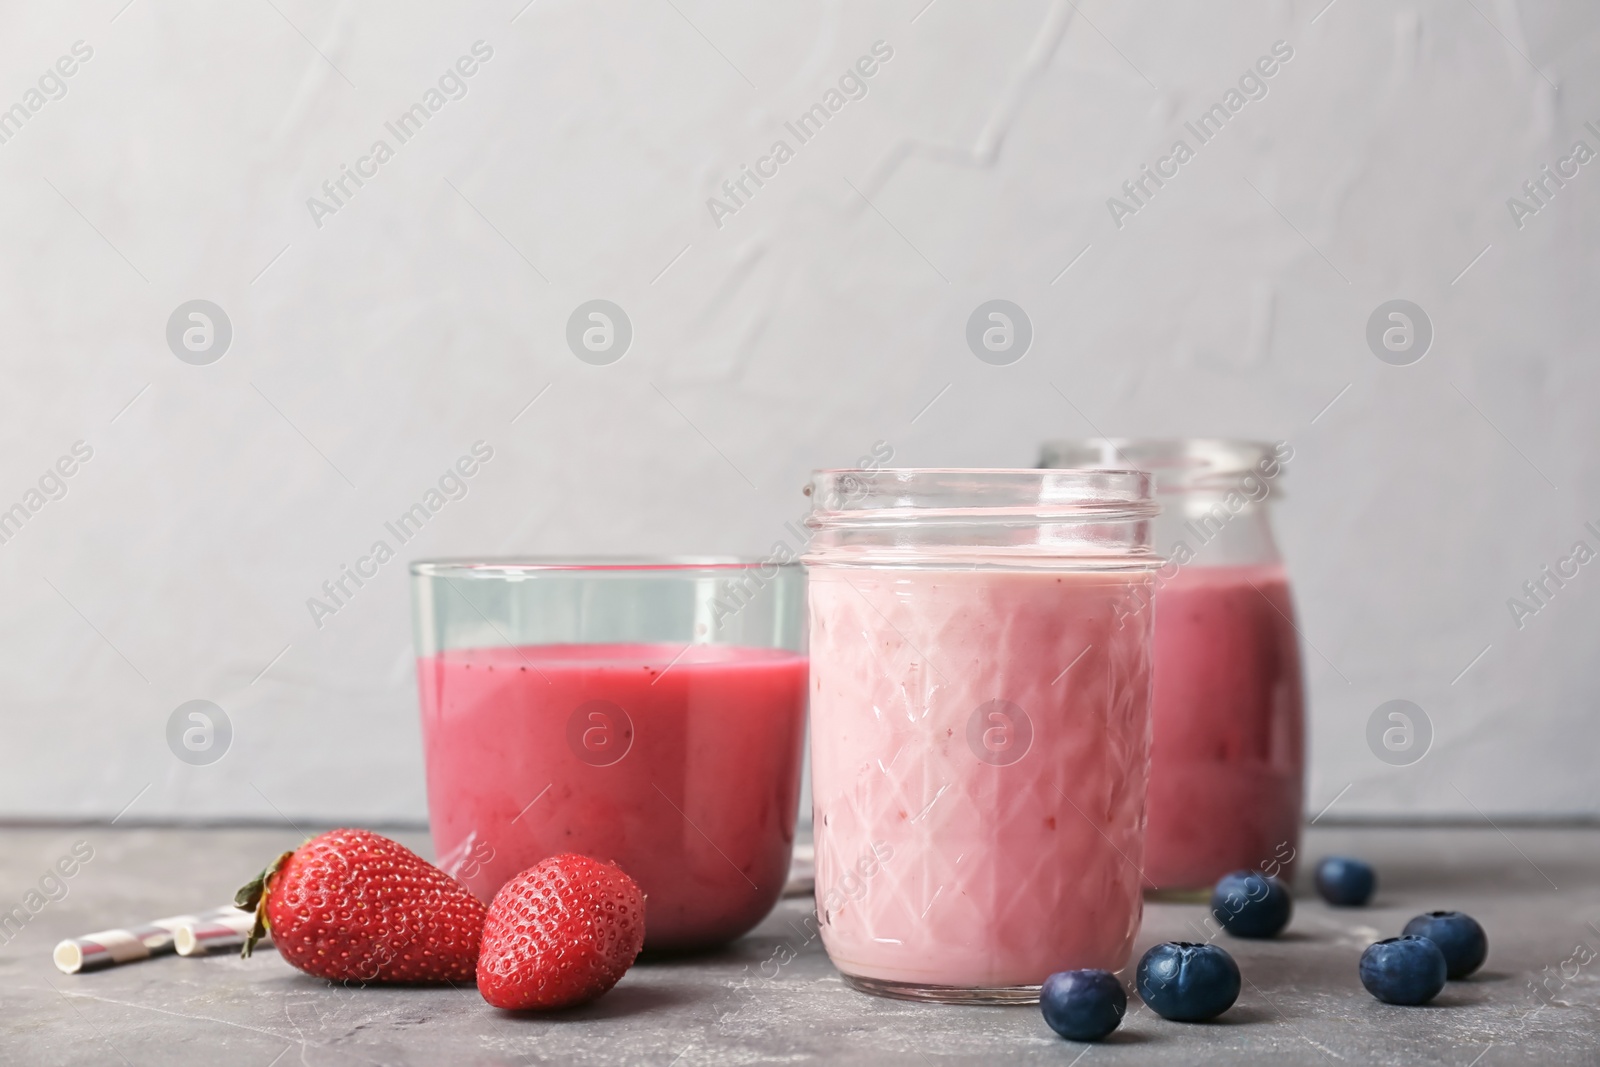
(678, 762)
(1227, 754)
(1227, 750)
(980, 743)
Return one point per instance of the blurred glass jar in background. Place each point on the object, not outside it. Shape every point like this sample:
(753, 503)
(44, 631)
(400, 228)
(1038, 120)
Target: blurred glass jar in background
(1227, 753)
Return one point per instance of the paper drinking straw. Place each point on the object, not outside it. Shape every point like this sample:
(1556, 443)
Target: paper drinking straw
(222, 933)
(108, 948)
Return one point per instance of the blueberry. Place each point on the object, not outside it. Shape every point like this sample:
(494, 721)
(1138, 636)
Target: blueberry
(1083, 1005)
(1345, 882)
(1187, 983)
(1458, 936)
(1403, 970)
(1250, 904)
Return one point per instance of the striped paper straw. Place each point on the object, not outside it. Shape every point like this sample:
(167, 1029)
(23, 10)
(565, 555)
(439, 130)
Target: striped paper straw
(203, 936)
(108, 948)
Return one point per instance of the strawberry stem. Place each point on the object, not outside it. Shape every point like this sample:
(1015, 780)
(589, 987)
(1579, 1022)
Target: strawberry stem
(252, 896)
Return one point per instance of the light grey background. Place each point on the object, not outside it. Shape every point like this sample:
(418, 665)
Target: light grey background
(826, 315)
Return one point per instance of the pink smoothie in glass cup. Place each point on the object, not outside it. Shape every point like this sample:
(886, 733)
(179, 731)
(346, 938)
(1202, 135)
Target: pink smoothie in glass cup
(691, 789)
(680, 762)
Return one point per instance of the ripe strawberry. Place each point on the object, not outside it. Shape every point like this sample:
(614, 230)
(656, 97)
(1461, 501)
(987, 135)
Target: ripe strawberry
(560, 933)
(353, 906)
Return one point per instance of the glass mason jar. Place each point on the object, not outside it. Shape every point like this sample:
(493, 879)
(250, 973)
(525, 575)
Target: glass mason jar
(1227, 758)
(649, 713)
(980, 695)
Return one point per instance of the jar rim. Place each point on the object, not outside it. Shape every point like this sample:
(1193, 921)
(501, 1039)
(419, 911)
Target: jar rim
(1177, 463)
(988, 517)
(497, 566)
(967, 494)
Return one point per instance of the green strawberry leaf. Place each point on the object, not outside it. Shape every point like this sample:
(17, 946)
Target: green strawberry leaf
(252, 896)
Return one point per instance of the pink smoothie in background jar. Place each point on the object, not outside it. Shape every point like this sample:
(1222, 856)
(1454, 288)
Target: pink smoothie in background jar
(980, 728)
(682, 767)
(1227, 751)
(1227, 754)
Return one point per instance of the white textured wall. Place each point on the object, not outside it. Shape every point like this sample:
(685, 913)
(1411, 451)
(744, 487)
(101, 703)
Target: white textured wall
(372, 351)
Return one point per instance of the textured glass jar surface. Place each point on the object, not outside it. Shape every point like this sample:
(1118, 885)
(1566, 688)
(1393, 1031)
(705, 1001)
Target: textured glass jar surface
(979, 752)
(980, 732)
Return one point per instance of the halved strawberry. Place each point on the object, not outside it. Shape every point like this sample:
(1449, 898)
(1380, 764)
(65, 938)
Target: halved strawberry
(352, 905)
(560, 933)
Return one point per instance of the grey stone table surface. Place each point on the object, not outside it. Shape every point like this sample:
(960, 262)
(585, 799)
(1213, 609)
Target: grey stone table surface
(773, 997)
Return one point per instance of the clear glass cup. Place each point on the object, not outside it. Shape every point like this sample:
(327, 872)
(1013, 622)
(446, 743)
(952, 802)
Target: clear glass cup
(1227, 757)
(980, 697)
(646, 712)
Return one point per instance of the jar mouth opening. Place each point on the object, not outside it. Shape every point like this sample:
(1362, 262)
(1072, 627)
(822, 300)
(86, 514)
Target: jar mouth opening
(892, 495)
(492, 567)
(969, 517)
